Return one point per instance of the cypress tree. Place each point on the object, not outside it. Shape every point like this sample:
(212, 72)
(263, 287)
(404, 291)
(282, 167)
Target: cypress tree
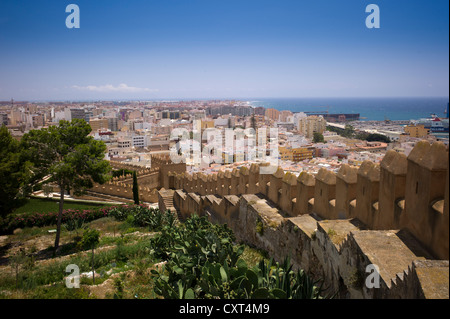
(135, 189)
(254, 123)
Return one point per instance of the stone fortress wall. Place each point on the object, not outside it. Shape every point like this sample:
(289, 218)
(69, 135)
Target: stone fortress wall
(149, 179)
(337, 225)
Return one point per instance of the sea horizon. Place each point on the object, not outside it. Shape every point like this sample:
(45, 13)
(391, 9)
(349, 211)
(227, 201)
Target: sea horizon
(370, 109)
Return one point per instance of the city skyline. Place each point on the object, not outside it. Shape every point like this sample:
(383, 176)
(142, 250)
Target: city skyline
(265, 49)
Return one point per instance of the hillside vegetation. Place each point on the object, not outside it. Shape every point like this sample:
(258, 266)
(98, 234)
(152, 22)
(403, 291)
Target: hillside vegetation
(139, 252)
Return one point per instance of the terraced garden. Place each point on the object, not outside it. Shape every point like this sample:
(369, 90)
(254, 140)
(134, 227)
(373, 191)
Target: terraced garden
(140, 252)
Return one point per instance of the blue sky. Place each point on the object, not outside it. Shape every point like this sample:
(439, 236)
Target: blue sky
(154, 49)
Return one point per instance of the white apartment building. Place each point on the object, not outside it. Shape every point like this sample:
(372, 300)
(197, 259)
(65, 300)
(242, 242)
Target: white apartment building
(124, 143)
(139, 141)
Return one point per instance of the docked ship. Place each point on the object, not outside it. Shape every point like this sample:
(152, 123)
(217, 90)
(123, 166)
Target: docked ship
(434, 124)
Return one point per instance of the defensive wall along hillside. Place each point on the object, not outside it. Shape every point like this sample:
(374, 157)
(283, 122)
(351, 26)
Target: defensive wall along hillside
(338, 226)
(149, 179)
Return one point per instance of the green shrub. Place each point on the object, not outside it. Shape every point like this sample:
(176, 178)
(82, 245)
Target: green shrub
(120, 251)
(259, 228)
(141, 216)
(331, 232)
(121, 172)
(119, 286)
(130, 219)
(60, 291)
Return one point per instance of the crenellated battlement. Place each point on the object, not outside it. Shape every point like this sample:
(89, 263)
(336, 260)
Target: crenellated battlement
(164, 165)
(129, 166)
(125, 190)
(400, 192)
(159, 160)
(335, 225)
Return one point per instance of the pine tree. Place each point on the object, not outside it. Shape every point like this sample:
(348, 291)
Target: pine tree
(67, 156)
(13, 173)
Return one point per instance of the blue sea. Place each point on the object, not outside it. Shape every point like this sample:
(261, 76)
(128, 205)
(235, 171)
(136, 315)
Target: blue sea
(370, 109)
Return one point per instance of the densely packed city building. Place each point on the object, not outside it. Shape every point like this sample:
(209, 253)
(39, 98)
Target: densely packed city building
(134, 130)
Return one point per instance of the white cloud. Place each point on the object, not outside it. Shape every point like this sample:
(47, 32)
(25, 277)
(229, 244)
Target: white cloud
(124, 88)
